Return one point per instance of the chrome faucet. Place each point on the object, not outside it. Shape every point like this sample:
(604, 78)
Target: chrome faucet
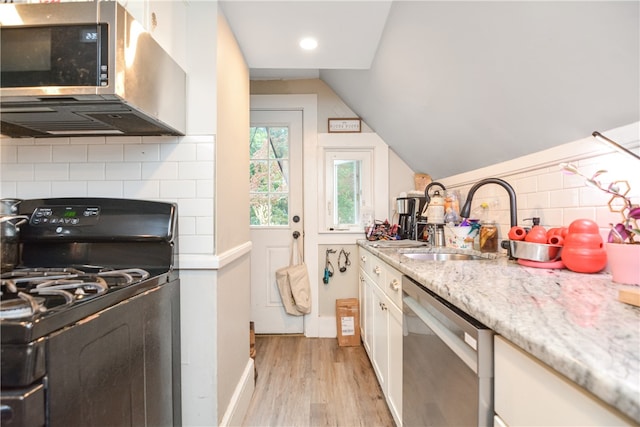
(466, 209)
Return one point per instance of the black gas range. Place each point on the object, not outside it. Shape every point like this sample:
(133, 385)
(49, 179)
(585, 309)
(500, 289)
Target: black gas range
(90, 318)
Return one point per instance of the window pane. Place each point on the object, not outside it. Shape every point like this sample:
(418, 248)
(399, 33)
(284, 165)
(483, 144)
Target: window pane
(347, 191)
(257, 140)
(279, 142)
(269, 176)
(279, 176)
(279, 210)
(258, 176)
(259, 209)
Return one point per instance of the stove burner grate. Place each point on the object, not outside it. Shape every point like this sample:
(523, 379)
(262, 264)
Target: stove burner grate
(56, 288)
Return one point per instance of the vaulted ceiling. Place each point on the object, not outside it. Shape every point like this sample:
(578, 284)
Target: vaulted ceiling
(452, 86)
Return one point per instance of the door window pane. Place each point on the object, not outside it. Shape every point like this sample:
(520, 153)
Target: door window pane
(269, 176)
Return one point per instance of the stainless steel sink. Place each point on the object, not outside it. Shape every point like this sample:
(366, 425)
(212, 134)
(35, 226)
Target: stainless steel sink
(436, 256)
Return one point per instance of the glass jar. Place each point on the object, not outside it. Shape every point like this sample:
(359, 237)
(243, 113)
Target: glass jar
(488, 236)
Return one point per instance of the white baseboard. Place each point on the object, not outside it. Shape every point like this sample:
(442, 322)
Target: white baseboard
(237, 409)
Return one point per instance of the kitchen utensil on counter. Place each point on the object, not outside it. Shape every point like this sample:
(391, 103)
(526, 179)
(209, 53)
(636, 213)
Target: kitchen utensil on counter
(10, 236)
(538, 252)
(9, 206)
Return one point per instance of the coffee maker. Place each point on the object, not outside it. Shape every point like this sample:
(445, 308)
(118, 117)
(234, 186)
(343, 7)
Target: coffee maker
(408, 210)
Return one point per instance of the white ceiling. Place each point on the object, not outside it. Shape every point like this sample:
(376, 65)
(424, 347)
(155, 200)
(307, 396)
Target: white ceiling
(348, 32)
(451, 85)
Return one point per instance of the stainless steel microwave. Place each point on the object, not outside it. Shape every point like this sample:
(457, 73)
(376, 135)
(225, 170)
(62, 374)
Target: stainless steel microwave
(79, 68)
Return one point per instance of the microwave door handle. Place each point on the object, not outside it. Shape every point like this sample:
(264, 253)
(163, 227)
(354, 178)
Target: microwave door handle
(458, 346)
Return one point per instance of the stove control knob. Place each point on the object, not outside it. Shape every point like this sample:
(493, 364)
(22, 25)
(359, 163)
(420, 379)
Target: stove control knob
(59, 230)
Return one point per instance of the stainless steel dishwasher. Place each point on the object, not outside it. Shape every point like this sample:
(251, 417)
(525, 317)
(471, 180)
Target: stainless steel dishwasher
(447, 363)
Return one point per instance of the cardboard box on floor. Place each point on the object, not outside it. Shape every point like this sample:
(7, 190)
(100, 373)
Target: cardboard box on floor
(348, 321)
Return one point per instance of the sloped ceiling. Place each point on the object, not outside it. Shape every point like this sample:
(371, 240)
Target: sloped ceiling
(454, 86)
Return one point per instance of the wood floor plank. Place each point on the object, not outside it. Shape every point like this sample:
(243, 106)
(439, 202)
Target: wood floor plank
(314, 382)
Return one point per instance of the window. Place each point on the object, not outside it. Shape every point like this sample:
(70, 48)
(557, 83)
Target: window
(269, 176)
(348, 187)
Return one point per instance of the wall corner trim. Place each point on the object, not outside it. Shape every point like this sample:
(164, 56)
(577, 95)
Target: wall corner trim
(213, 262)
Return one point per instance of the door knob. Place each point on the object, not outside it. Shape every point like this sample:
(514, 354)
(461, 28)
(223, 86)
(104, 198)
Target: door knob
(296, 234)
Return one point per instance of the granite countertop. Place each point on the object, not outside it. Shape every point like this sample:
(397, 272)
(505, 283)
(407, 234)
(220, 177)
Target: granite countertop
(572, 322)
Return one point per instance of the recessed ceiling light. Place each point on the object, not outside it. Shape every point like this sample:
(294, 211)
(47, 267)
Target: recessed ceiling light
(308, 43)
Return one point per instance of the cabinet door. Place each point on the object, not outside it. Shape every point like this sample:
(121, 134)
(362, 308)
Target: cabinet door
(394, 377)
(380, 360)
(366, 322)
(528, 392)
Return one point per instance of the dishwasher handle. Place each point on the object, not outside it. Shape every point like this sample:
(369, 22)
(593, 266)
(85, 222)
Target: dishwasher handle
(457, 345)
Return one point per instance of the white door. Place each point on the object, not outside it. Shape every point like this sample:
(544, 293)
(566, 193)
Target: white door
(275, 212)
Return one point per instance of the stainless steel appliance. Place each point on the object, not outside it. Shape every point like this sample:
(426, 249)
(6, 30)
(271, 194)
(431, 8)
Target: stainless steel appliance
(90, 69)
(409, 209)
(447, 363)
(90, 319)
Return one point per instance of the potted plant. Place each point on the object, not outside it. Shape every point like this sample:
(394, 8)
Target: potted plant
(623, 243)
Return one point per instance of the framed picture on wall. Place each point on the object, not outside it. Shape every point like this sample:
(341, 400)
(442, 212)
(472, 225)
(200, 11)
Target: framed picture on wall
(344, 125)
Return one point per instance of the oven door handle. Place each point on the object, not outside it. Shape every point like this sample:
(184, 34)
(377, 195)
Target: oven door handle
(458, 346)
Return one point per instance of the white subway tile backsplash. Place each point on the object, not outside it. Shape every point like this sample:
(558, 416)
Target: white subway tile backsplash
(525, 185)
(186, 224)
(8, 189)
(106, 153)
(51, 171)
(69, 153)
(87, 171)
(34, 154)
(205, 188)
(200, 244)
(68, 188)
(159, 170)
(141, 153)
(571, 214)
(8, 154)
(29, 190)
(536, 201)
(175, 189)
(123, 171)
(205, 152)
(604, 216)
(195, 170)
(550, 181)
(105, 189)
(196, 207)
(183, 152)
(564, 198)
(590, 196)
(141, 189)
(204, 225)
(551, 217)
(16, 172)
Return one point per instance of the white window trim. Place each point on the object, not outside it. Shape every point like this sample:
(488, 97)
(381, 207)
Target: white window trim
(363, 142)
(365, 156)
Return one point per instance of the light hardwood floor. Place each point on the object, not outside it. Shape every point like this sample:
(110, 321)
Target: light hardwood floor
(314, 382)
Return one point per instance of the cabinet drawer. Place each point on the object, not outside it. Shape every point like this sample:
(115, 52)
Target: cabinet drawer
(392, 285)
(372, 266)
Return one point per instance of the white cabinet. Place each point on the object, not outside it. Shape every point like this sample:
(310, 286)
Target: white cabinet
(380, 327)
(528, 392)
(381, 323)
(166, 21)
